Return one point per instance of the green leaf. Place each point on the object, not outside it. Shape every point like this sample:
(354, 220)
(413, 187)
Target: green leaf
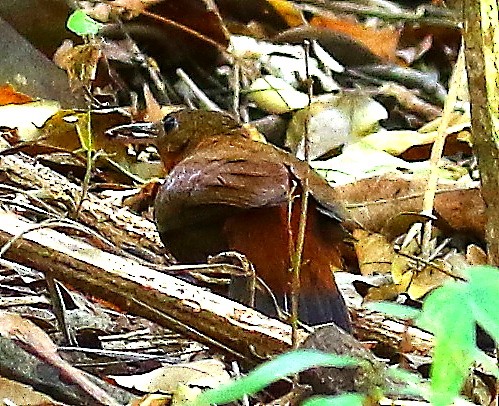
(81, 24)
(483, 289)
(447, 313)
(280, 367)
(348, 399)
(394, 309)
(438, 304)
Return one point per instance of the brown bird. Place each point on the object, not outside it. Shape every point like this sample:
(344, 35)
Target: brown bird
(225, 191)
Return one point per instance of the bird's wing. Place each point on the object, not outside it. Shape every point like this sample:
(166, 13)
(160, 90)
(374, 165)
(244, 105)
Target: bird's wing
(209, 185)
(234, 174)
(327, 198)
(237, 182)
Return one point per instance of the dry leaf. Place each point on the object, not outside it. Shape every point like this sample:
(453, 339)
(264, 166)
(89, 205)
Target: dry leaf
(374, 252)
(8, 95)
(381, 42)
(204, 373)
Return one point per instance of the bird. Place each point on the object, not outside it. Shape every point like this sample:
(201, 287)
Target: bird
(225, 191)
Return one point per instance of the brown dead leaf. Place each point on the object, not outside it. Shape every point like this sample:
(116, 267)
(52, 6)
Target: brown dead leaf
(376, 255)
(402, 267)
(374, 201)
(80, 62)
(203, 373)
(427, 279)
(19, 394)
(152, 400)
(288, 12)
(60, 132)
(125, 9)
(153, 108)
(383, 292)
(444, 43)
(192, 16)
(401, 224)
(8, 95)
(343, 48)
(476, 255)
(374, 252)
(380, 41)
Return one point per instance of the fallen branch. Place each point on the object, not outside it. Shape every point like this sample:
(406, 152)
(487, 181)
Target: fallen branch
(139, 289)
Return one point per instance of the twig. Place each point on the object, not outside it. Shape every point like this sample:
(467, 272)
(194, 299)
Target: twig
(446, 18)
(197, 91)
(438, 148)
(184, 28)
(300, 239)
(86, 138)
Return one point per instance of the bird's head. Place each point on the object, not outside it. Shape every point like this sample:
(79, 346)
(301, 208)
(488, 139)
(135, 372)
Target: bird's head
(178, 133)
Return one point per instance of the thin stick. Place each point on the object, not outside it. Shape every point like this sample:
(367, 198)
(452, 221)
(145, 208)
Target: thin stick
(184, 28)
(203, 98)
(85, 133)
(438, 147)
(300, 241)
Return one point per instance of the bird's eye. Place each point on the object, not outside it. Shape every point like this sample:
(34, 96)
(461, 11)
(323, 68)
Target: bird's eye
(170, 123)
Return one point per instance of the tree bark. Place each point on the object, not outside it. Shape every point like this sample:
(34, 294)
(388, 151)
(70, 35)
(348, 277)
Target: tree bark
(482, 71)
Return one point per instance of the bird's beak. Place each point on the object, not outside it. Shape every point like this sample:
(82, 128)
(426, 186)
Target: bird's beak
(136, 133)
